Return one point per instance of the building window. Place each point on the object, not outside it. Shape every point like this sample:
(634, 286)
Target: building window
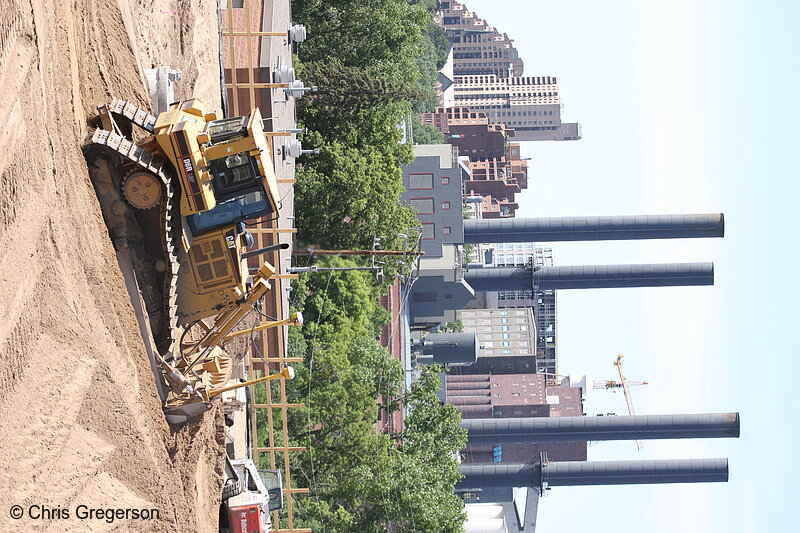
(504, 321)
(503, 313)
(446, 230)
(420, 181)
(424, 297)
(423, 206)
(445, 205)
(428, 230)
(505, 343)
(506, 335)
(445, 180)
(505, 352)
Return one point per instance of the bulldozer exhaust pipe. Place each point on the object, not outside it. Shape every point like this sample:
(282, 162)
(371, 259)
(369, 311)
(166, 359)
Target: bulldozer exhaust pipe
(266, 249)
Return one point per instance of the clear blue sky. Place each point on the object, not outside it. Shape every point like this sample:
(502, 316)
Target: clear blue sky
(685, 107)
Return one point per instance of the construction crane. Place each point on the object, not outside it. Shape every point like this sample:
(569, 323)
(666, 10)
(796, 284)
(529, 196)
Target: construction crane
(626, 390)
(582, 382)
(554, 380)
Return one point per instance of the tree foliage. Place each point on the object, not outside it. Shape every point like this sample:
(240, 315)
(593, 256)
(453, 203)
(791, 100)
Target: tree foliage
(426, 133)
(374, 62)
(362, 479)
(359, 189)
(342, 88)
(367, 59)
(456, 326)
(383, 34)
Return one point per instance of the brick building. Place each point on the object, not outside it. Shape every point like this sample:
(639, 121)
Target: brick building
(471, 132)
(498, 180)
(514, 396)
(391, 339)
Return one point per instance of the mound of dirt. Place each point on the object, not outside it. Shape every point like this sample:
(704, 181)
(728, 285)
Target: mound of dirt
(80, 419)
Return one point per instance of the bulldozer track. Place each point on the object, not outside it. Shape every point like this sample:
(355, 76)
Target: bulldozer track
(125, 110)
(127, 153)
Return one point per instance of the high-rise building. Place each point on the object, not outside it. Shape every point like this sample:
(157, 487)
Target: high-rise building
(477, 47)
(530, 105)
(500, 331)
(545, 312)
(543, 303)
(484, 73)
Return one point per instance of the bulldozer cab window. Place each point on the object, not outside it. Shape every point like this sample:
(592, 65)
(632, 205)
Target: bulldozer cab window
(234, 172)
(227, 128)
(245, 207)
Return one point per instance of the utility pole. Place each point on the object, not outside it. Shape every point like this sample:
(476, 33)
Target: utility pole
(313, 251)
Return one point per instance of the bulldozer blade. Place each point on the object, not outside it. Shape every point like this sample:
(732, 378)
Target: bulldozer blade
(181, 414)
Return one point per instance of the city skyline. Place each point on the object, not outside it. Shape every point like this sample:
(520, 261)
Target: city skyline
(659, 90)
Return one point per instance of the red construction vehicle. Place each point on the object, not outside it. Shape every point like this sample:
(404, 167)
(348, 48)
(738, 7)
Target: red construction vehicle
(248, 497)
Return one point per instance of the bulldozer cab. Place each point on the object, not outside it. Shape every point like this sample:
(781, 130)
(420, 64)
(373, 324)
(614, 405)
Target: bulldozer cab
(243, 178)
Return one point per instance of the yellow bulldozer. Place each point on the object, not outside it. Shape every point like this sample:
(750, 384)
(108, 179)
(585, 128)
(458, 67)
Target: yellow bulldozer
(176, 191)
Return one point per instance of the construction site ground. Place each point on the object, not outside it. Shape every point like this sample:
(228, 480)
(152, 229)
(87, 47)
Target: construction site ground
(81, 423)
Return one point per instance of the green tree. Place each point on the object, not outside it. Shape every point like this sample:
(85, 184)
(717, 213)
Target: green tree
(364, 480)
(341, 299)
(426, 133)
(456, 326)
(374, 61)
(363, 33)
(346, 88)
(349, 196)
(372, 482)
(432, 56)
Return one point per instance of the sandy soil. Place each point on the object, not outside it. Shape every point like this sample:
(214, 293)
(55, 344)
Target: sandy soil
(80, 420)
